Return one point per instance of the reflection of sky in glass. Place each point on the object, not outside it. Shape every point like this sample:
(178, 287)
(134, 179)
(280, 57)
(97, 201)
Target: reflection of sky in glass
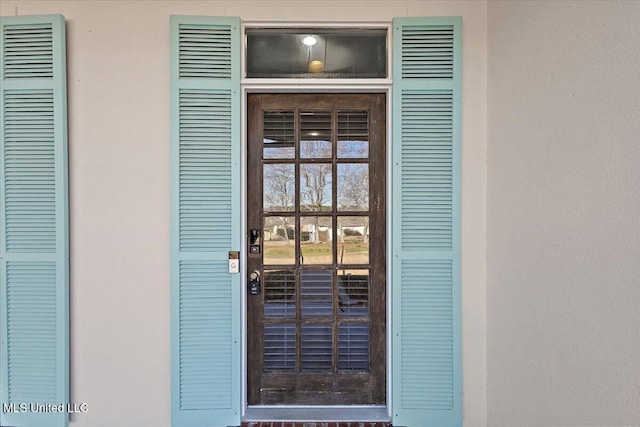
(353, 149)
(275, 150)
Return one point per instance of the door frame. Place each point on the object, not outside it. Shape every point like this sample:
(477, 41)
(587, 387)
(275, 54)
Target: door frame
(248, 86)
(357, 86)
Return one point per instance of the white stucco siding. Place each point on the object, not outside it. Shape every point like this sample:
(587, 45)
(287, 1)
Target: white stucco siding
(564, 209)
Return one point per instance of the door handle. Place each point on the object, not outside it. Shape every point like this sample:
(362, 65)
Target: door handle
(254, 283)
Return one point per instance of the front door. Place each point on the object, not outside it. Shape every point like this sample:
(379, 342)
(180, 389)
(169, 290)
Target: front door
(316, 263)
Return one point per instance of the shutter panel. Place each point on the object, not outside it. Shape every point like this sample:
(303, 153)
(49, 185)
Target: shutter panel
(205, 223)
(426, 371)
(34, 250)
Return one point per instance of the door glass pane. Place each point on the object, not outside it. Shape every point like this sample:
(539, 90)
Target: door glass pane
(279, 135)
(279, 244)
(279, 347)
(315, 187)
(316, 293)
(317, 348)
(353, 187)
(353, 240)
(353, 346)
(353, 134)
(279, 187)
(353, 293)
(315, 135)
(279, 294)
(315, 240)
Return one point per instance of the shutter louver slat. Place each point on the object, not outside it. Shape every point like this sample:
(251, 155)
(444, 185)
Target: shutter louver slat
(205, 170)
(31, 333)
(205, 51)
(205, 332)
(427, 335)
(30, 218)
(427, 52)
(28, 51)
(427, 174)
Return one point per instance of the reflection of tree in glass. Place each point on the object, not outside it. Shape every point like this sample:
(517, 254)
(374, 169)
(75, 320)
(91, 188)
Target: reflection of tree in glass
(315, 189)
(315, 181)
(315, 186)
(315, 149)
(279, 188)
(353, 187)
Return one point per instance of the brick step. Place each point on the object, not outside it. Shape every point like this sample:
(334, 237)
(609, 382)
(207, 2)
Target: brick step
(315, 424)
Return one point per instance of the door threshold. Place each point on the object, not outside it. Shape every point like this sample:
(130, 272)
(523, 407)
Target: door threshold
(351, 413)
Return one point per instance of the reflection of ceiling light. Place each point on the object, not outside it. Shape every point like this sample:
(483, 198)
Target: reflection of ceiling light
(309, 40)
(315, 66)
(314, 134)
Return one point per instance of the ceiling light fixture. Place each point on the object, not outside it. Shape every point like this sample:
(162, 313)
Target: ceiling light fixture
(316, 66)
(309, 40)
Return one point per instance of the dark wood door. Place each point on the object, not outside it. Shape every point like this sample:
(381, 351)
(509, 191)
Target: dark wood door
(317, 233)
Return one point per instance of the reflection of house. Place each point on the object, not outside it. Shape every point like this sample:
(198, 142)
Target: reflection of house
(319, 229)
(315, 232)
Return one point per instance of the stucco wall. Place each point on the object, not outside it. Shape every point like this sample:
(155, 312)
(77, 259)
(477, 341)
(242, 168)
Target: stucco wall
(563, 229)
(118, 85)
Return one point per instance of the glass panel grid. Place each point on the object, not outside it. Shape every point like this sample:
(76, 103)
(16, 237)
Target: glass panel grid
(320, 300)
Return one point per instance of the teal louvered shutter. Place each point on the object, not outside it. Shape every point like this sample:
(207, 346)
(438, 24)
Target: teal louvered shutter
(34, 250)
(426, 370)
(205, 223)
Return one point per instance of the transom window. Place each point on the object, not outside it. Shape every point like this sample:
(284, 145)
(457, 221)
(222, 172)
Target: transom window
(344, 53)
